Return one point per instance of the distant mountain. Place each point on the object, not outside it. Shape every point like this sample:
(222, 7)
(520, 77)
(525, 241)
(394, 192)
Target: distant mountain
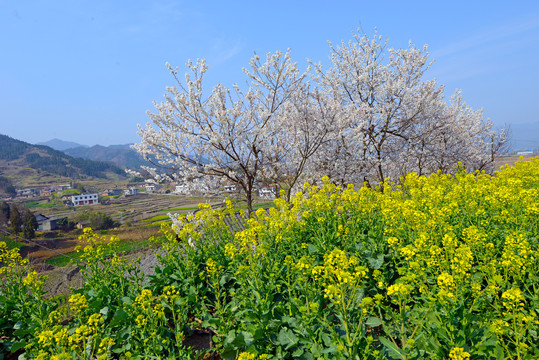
(121, 155)
(20, 160)
(525, 136)
(60, 145)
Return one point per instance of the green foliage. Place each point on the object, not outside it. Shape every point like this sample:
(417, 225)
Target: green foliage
(15, 220)
(30, 225)
(65, 224)
(136, 179)
(98, 220)
(24, 308)
(11, 244)
(5, 213)
(6, 186)
(440, 267)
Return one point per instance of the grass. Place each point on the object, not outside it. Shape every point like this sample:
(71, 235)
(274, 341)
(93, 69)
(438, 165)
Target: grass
(257, 206)
(156, 219)
(11, 244)
(35, 204)
(182, 208)
(124, 246)
(155, 224)
(62, 260)
(110, 197)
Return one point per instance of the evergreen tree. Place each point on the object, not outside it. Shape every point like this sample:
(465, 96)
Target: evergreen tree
(30, 225)
(4, 213)
(15, 220)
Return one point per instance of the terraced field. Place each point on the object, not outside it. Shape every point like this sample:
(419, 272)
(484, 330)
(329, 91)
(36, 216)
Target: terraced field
(136, 209)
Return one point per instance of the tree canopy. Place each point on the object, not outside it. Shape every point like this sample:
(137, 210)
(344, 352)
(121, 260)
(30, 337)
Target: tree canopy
(370, 116)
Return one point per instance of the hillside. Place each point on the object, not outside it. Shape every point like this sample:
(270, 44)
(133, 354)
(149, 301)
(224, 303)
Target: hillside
(121, 155)
(20, 161)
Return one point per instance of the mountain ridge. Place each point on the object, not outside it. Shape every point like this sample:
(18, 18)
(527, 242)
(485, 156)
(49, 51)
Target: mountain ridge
(60, 145)
(22, 162)
(121, 155)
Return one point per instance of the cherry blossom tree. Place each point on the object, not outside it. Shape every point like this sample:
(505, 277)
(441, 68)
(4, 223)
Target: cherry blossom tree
(370, 116)
(228, 134)
(395, 121)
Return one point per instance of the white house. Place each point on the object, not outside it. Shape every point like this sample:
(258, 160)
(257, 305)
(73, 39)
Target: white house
(267, 192)
(181, 189)
(152, 187)
(86, 199)
(230, 188)
(131, 191)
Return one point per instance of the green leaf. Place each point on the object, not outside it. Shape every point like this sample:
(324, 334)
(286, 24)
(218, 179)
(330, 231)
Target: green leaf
(306, 356)
(376, 263)
(248, 338)
(373, 321)
(312, 249)
(393, 351)
(18, 345)
(317, 350)
(127, 300)
(229, 354)
(230, 337)
(120, 316)
(22, 332)
(224, 279)
(287, 338)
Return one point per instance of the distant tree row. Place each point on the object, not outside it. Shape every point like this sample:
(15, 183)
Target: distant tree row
(70, 167)
(98, 220)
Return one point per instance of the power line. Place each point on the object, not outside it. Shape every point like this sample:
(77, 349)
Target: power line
(41, 246)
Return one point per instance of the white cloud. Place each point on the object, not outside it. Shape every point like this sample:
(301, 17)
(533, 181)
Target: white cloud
(224, 49)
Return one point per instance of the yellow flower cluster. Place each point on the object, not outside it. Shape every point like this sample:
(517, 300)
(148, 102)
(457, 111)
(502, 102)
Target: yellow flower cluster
(34, 280)
(77, 303)
(10, 259)
(251, 356)
(144, 300)
(458, 354)
(213, 269)
(447, 286)
(170, 294)
(96, 246)
(399, 290)
(513, 300)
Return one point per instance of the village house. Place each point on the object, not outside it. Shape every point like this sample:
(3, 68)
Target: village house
(46, 192)
(267, 192)
(152, 187)
(230, 188)
(131, 191)
(27, 192)
(112, 192)
(63, 187)
(82, 224)
(85, 199)
(50, 224)
(181, 189)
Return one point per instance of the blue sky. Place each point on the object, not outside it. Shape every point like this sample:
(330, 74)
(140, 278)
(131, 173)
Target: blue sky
(87, 71)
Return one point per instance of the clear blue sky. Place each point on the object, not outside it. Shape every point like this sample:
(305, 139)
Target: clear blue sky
(87, 71)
